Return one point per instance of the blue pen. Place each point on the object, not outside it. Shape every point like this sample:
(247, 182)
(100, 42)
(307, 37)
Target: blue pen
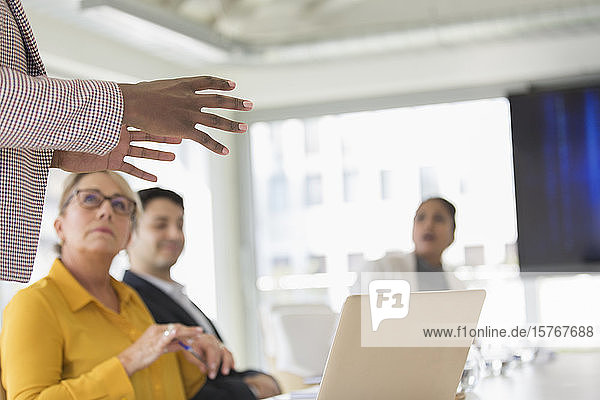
(193, 352)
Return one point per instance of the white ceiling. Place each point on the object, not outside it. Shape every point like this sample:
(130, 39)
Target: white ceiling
(274, 31)
(262, 23)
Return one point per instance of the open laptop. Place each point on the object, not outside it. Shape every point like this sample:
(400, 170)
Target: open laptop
(429, 371)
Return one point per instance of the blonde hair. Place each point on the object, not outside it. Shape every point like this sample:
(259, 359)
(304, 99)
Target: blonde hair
(72, 181)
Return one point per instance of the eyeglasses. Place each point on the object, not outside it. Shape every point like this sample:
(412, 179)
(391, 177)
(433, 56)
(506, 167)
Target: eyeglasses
(92, 198)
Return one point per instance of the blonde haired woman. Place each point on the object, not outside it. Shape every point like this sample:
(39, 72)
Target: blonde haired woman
(80, 334)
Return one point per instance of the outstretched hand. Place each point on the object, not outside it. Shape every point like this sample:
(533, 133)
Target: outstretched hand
(174, 108)
(85, 162)
(164, 111)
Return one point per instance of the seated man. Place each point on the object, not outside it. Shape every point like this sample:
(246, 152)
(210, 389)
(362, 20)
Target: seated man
(155, 246)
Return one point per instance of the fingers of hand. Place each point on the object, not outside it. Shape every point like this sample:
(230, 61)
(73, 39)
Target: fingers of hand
(198, 351)
(146, 137)
(150, 346)
(169, 337)
(209, 82)
(175, 337)
(166, 336)
(143, 152)
(199, 363)
(224, 102)
(170, 330)
(187, 337)
(205, 140)
(215, 121)
(138, 173)
(227, 363)
(208, 345)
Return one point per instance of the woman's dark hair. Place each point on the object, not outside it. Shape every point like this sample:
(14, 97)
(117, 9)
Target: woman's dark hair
(447, 205)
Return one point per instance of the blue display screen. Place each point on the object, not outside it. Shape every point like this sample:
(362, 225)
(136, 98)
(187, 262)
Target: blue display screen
(556, 149)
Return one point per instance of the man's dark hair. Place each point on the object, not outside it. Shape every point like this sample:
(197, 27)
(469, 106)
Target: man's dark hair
(147, 195)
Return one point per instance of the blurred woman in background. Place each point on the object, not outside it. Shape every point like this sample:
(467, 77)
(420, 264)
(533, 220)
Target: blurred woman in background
(434, 225)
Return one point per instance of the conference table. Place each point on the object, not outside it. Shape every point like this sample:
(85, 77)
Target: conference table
(568, 376)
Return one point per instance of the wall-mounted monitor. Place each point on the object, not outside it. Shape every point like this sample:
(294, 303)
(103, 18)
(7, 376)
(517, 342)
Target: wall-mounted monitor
(556, 154)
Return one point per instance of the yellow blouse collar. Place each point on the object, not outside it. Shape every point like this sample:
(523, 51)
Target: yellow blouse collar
(75, 294)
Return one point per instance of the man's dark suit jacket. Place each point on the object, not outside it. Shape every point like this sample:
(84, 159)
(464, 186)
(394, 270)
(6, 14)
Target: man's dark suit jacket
(165, 310)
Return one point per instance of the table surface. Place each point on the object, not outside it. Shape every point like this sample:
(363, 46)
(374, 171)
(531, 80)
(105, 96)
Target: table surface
(567, 376)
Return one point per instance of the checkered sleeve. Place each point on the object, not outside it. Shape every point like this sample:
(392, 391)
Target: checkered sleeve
(41, 113)
(38, 115)
(23, 177)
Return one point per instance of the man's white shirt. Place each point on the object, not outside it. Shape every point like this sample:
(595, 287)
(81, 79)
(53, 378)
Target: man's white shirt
(176, 292)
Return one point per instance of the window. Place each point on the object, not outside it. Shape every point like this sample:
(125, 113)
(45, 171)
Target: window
(281, 265)
(351, 186)
(429, 182)
(278, 193)
(356, 262)
(316, 264)
(311, 137)
(385, 179)
(359, 197)
(313, 190)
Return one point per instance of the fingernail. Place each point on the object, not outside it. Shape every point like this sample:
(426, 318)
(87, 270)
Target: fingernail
(225, 151)
(226, 372)
(243, 127)
(231, 84)
(247, 104)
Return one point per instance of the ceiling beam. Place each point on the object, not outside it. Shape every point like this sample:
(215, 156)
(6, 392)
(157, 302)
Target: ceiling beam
(171, 20)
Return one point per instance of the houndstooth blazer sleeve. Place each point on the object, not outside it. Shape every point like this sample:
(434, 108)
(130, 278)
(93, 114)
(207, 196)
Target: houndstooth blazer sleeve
(37, 115)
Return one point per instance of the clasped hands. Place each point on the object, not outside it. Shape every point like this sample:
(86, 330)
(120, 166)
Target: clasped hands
(160, 339)
(164, 111)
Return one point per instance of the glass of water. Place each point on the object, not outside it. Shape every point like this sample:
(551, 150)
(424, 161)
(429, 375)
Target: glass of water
(472, 371)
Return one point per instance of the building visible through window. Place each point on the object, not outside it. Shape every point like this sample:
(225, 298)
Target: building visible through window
(313, 190)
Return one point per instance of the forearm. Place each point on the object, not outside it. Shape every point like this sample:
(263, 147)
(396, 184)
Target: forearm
(56, 159)
(132, 102)
(55, 114)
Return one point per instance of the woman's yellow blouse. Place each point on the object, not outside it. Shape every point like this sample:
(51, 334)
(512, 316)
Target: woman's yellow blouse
(59, 342)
